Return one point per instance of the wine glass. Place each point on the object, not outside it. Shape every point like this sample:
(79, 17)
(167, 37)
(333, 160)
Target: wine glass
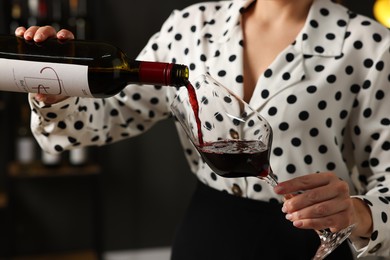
(234, 139)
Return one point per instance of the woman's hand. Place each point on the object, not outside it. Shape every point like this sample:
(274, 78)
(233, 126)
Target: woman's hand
(323, 201)
(40, 34)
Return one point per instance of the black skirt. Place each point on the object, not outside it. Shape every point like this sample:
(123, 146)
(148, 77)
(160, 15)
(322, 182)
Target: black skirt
(218, 225)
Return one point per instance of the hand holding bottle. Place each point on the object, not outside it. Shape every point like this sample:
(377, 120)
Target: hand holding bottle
(40, 34)
(54, 65)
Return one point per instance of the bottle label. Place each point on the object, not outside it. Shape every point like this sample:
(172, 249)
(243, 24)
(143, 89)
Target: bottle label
(44, 77)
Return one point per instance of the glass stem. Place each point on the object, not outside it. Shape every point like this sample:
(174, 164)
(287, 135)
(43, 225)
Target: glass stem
(271, 179)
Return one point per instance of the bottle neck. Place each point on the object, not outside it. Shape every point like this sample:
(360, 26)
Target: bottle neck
(160, 73)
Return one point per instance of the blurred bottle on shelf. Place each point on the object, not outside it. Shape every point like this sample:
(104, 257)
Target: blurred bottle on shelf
(25, 142)
(50, 160)
(33, 12)
(38, 12)
(78, 156)
(56, 14)
(68, 14)
(78, 18)
(19, 13)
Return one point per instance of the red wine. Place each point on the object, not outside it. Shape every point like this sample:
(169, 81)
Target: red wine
(236, 158)
(78, 68)
(195, 108)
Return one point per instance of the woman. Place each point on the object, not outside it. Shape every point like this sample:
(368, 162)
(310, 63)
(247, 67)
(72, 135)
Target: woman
(317, 72)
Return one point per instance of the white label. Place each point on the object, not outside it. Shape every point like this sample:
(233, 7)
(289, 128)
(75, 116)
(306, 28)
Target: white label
(44, 77)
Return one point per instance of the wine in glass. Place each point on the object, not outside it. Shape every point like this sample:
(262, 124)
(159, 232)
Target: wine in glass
(234, 139)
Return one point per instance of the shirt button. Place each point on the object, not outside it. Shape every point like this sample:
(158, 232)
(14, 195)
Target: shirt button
(375, 248)
(236, 190)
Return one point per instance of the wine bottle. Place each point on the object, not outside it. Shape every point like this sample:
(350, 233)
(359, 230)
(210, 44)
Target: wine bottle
(78, 68)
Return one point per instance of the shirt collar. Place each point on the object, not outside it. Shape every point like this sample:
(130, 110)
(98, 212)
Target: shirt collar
(323, 33)
(325, 29)
(227, 20)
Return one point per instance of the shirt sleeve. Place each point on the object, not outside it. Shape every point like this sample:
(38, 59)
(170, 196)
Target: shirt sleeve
(370, 134)
(89, 121)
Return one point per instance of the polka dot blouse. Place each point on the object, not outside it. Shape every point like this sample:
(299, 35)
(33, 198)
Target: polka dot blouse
(327, 97)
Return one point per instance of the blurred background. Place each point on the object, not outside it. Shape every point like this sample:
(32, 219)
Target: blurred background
(121, 201)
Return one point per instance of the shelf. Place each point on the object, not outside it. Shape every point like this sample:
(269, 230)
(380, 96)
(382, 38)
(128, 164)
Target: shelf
(37, 170)
(83, 255)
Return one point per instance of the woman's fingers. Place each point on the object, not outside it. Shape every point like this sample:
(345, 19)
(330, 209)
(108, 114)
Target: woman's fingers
(20, 31)
(43, 33)
(65, 35)
(48, 99)
(333, 214)
(322, 201)
(332, 191)
(40, 34)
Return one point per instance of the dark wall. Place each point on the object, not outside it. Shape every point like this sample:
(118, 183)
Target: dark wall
(361, 7)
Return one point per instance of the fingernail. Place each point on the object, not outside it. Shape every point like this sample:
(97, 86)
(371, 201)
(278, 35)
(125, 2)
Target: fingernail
(284, 209)
(298, 223)
(288, 216)
(28, 36)
(278, 189)
(38, 37)
(40, 98)
(18, 31)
